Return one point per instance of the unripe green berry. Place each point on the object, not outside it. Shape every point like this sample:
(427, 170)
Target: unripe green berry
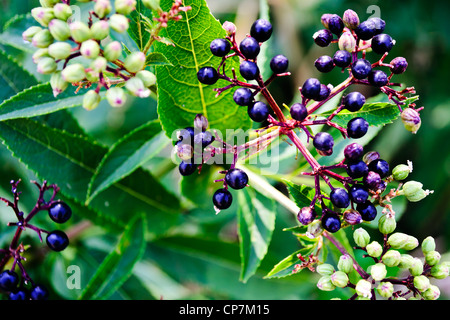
(46, 66)
(400, 240)
(385, 289)
(401, 171)
(432, 293)
(91, 100)
(125, 6)
(62, 11)
(314, 229)
(136, 87)
(112, 51)
(59, 29)
(406, 261)
(90, 49)
(116, 97)
(73, 73)
(411, 243)
(28, 34)
(151, 4)
(392, 258)
(351, 19)
(100, 30)
(119, 23)
(48, 3)
(387, 224)
(57, 83)
(99, 64)
(345, 263)
(147, 77)
(325, 269)
(416, 268)
(102, 8)
(439, 271)
(361, 237)
(411, 119)
(42, 39)
(413, 191)
(432, 257)
(347, 42)
(325, 284)
(39, 54)
(363, 288)
(92, 75)
(339, 279)
(42, 15)
(135, 62)
(428, 244)
(60, 50)
(421, 283)
(374, 249)
(79, 31)
(378, 271)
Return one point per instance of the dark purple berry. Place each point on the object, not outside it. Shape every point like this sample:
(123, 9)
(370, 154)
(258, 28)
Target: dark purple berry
(311, 88)
(366, 29)
(207, 75)
(187, 168)
(331, 222)
(236, 178)
(357, 169)
(298, 111)
(261, 30)
(340, 198)
(249, 47)
(39, 292)
(372, 180)
(358, 193)
(378, 78)
(324, 92)
(19, 294)
(8, 280)
(335, 24)
(57, 240)
(243, 96)
(324, 63)
(353, 151)
(204, 139)
(59, 211)
(306, 215)
(186, 135)
(354, 101)
(382, 43)
(357, 127)
(220, 47)
(399, 65)
(249, 70)
(342, 58)
(323, 37)
(323, 141)
(380, 166)
(279, 64)
(222, 199)
(379, 23)
(361, 68)
(367, 210)
(258, 111)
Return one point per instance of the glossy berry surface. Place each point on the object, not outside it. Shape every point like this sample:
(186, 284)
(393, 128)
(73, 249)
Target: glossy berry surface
(372, 180)
(377, 78)
(249, 70)
(19, 294)
(323, 37)
(57, 240)
(342, 58)
(398, 65)
(379, 166)
(186, 135)
(311, 88)
(243, 96)
(354, 101)
(236, 178)
(306, 215)
(331, 222)
(367, 210)
(222, 199)
(357, 127)
(340, 198)
(358, 193)
(207, 75)
(324, 63)
(366, 30)
(8, 280)
(361, 68)
(279, 64)
(298, 111)
(186, 168)
(39, 292)
(261, 30)
(220, 47)
(353, 151)
(203, 139)
(323, 93)
(258, 111)
(357, 169)
(323, 141)
(335, 24)
(382, 43)
(379, 23)
(59, 212)
(250, 47)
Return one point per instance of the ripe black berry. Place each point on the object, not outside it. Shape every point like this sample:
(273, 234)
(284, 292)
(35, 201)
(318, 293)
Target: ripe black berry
(324, 63)
(186, 168)
(204, 138)
(298, 111)
(279, 64)
(335, 24)
(220, 47)
(366, 29)
(331, 222)
(258, 111)
(311, 88)
(361, 68)
(222, 199)
(357, 127)
(379, 23)
(377, 78)
(306, 215)
(19, 294)
(367, 210)
(340, 198)
(323, 141)
(382, 43)
(323, 37)
(261, 30)
(354, 101)
(249, 70)
(357, 169)
(186, 135)
(323, 93)
(399, 65)
(379, 166)
(353, 151)
(358, 193)
(59, 212)
(8, 280)
(39, 292)
(249, 47)
(207, 75)
(57, 240)
(236, 178)
(243, 96)
(342, 58)
(372, 180)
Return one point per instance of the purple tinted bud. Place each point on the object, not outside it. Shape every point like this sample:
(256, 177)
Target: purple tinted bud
(306, 215)
(353, 151)
(399, 65)
(352, 217)
(372, 180)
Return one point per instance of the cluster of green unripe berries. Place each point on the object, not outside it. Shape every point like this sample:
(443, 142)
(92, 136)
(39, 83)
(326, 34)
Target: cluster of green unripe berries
(85, 53)
(417, 273)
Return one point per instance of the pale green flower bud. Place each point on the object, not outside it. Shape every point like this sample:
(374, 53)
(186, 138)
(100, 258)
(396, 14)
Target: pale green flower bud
(57, 83)
(432, 293)
(421, 283)
(147, 77)
(314, 229)
(345, 263)
(325, 284)
(125, 6)
(28, 34)
(416, 268)
(59, 29)
(42, 15)
(136, 87)
(229, 27)
(411, 243)
(92, 75)
(39, 54)
(73, 73)
(91, 100)
(402, 171)
(90, 49)
(116, 97)
(400, 240)
(60, 50)
(99, 64)
(440, 271)
(102, 8)
(406, 261)
(48, 3)
(432, 257)
(428, 244)
(151, 4)
(385, 289)
(135, 62)
(42, 39)
(119, 23)
(347, 42)
(387, 224)
(100, 30)
(339, 279)
(80, 31)
(392, 258)
(413, 191)
(325, 269)
(62, 11)
(112, 51)
(363, 288)
(46, 65)
(411, 120)
(361, 237)
(374, 249)
(351, 19)
(378, 271)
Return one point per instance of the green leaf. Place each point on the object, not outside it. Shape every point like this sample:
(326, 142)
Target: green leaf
(157, 59)
(180, 95)
(256, 222)
(285, 267)
(13, 29)
(138, 24)
(302, 195)
(119, 264)
(126, 155)
(377, 114)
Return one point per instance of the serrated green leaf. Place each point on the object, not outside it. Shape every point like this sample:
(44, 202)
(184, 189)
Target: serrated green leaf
(286, 266)
(256, 222)
(138, 24)
(126, 155)
(180, 95)
(302, 195)
(119, 264)
(13, 29)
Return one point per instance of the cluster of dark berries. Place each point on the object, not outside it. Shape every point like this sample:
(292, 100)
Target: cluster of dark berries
(57, 240)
